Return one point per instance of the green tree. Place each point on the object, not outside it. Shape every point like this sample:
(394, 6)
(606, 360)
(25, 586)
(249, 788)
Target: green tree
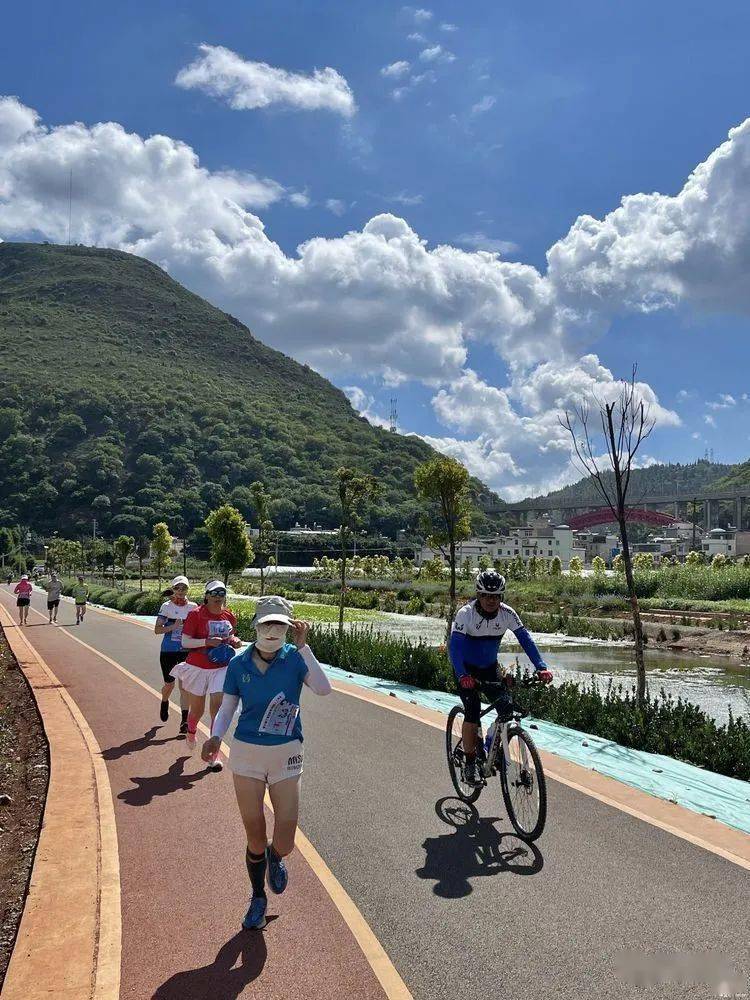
(599, 566)
(575, 567)
(161, 546)
(230, 547)
(355, 491)
(643, 561)
(484, 562)
(443, 487)
(618, 563)
(264, 543)
(466, 569)
(694, 558)
(555, 568)
(122, 547)
(719, 561)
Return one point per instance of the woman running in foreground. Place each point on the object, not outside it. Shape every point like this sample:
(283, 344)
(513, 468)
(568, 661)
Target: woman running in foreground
(267, 745)
(23, 591)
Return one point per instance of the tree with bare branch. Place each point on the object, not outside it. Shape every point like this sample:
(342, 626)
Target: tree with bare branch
(625, 424)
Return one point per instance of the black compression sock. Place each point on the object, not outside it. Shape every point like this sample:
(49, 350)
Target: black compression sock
(184, 714)
(256, 869)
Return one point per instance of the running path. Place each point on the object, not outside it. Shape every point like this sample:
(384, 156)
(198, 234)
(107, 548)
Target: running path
(183, 880)
(462, 907)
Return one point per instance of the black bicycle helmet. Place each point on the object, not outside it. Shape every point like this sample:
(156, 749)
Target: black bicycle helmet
(489, 581)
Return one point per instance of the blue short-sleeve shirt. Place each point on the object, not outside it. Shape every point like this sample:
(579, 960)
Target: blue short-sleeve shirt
(270, 712)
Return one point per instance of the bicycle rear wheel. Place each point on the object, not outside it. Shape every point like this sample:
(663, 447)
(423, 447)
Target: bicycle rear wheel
(523, 784)
(456, 757)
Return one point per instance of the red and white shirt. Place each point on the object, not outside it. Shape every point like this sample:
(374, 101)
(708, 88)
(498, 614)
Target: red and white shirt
(23, 588)
(200, 624)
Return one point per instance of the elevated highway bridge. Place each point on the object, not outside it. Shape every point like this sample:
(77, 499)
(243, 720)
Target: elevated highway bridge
(726, 505)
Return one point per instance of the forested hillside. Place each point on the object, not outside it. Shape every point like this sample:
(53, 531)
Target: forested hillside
(682, 480)
(126, 398)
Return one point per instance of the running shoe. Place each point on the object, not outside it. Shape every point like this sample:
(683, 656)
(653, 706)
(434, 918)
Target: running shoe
(190, 740)
(471, 777)
(164, 711)
(255, 918)
(277, 873)
(217, 767)
(183, 726)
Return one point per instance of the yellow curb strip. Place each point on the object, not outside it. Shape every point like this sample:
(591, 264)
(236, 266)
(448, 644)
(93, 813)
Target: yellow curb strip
(597, 786)
(376, 956)
(69, 940)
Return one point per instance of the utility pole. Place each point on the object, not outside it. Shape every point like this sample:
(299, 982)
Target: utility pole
(94, 529)
(70, 203)
(184, 556)
(695, 508)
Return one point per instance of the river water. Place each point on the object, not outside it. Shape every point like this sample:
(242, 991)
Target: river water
(714, 683)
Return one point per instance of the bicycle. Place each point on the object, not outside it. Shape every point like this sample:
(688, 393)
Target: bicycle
(513, 755)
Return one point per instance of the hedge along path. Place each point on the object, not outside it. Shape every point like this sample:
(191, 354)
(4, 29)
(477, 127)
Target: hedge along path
(69, 939)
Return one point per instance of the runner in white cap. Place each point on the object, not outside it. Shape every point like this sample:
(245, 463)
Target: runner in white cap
(169, 622)
(208, 636)
(267, 746)
(23, 591)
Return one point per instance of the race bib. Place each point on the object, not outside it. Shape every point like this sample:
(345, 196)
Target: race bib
(219, 630)
(279, 717)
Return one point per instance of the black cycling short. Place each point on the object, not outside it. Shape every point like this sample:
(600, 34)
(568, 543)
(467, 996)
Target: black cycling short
(53, 604)
(471, 699)
(169, 661)
(23, 602)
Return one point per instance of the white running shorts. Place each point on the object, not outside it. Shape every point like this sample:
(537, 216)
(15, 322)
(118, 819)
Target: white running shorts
(266, 763)
(196, 680)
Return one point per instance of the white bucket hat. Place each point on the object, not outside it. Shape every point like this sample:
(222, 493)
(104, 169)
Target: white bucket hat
(180, 579)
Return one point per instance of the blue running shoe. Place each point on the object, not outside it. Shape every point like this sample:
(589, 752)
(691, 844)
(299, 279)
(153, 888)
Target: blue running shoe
(255, 918)
(277, 873)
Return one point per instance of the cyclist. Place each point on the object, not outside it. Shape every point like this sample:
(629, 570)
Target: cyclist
(474, 643)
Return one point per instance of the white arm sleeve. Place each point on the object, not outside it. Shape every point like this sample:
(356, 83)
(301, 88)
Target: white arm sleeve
(188, 642)
(225, 715)
(315, 679)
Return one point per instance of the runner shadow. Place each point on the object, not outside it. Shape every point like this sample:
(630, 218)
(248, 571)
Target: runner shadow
(474, 847)
(220, 979)
(147, 789)
(133, 746)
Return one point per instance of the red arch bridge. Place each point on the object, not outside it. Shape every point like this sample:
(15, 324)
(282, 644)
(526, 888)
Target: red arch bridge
(607, 516)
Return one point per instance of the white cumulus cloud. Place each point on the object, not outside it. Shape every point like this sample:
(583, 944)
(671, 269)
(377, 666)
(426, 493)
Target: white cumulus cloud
(245, 84)
(379, 300)
(486, 103)
(436, 54)
(395, 70)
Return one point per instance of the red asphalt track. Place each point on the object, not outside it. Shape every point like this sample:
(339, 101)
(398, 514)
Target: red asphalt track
(181, 845)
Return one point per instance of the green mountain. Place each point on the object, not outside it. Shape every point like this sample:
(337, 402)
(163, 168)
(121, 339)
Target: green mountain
(683, 480)
(738, 475)
(126, 398)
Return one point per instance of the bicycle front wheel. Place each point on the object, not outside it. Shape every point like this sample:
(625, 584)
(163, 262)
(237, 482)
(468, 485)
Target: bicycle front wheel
(456, 757)
(523, 784)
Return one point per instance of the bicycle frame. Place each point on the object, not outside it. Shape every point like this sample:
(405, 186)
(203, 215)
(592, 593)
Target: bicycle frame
(488, 766)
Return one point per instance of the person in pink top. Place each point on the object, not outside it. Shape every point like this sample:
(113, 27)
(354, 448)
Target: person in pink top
(23, 599)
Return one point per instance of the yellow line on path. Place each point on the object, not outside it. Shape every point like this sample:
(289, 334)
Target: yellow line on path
(376, 956)
(69, 940)
(730, 844)
(695, 828)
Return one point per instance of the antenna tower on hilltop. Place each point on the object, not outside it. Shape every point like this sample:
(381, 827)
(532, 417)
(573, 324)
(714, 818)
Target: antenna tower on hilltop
(394, 416)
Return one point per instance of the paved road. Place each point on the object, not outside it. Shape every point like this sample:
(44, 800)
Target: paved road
(462, 907)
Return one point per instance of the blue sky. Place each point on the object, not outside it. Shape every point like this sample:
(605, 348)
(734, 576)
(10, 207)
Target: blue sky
(528, 117)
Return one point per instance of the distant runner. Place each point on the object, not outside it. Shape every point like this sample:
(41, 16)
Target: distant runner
(208, 636)
(54, 590)
(80, 596)
(267, 746)
(169, 622)
(23, 591)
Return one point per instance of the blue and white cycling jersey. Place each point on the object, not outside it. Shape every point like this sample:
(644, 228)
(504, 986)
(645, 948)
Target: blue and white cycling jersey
(169, 613)
(475, 639)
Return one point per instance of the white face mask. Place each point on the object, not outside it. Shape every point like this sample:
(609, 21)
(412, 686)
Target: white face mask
(271, 637)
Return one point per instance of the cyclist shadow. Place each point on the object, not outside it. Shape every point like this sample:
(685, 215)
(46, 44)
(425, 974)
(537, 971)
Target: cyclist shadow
(475, 847)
